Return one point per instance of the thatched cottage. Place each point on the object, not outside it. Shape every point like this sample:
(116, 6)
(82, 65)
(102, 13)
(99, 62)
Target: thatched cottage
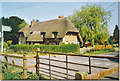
(55, 32)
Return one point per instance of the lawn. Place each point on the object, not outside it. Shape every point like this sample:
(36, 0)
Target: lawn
(96, 52)
(13, 73)
(90, 52)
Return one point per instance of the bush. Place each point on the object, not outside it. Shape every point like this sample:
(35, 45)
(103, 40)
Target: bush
(109, 50)
(5, 45)
(66, 48)
(96, 43)
(9, 42)
(13, 76)
(100, 47)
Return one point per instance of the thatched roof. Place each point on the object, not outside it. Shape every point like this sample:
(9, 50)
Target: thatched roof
(61, 25)
(35, 36)
(25, 30)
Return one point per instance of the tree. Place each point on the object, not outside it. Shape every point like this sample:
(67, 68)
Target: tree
(116, 34)
(16, 24)
(92, 22)
(110, 40)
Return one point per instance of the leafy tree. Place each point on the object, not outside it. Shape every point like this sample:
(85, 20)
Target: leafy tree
(16, 24)
(92, 22)
(110, 40)
(116, 34)
(23, 24)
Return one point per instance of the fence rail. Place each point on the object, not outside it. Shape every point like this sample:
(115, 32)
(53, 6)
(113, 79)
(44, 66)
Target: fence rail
(24, 67)
(49, 72)
(67, 62)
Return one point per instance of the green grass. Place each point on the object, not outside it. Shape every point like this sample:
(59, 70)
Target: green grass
(14, 73)
(96, 52)
(91, 52)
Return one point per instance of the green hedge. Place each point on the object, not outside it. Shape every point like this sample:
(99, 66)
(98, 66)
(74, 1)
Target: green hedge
(66, 48)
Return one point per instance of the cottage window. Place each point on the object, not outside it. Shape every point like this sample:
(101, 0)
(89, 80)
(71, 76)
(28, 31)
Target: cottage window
(21, 35)
(57, 43)
(72, 42)
(66, 42)
(31, 32)
(43, 34)
(24, 42)
(54, 34)
(20, 42)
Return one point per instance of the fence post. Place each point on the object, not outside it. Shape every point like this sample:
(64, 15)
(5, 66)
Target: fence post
(37, 61)
(80, 75)
(6, 60)
(67, 65)
(24, 67)
(89, 64)
(49, 66)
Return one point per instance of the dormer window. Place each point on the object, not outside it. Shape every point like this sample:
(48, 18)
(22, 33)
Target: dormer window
(43, 34)
(31, 32)
(21, 35)
(54, 34)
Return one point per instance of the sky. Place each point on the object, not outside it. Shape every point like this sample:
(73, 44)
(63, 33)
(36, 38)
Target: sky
(51, 10)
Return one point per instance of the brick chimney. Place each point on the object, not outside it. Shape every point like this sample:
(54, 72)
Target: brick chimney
(32, 22)
(61, 16)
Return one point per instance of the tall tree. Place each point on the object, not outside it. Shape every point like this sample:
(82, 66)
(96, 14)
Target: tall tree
(16, 24)
(116, 34)
(92, 22)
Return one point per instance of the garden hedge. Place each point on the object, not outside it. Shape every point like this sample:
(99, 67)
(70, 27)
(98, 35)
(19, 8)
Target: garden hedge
(66, 48)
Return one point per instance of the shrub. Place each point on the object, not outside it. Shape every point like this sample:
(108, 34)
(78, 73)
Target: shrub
(100, 47)
(13, 76)
(9, 42)
(5, 45)
(66, 48)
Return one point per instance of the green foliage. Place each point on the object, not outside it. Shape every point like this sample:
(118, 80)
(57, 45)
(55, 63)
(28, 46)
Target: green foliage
(97, 51)
(13, 76)
(23, 24)
(96, 44)
(9, 42)
(5, 45)
(110, 41)
(67, 48)
(92, 22)
(16, 74)
(16, 24)
(116, 34)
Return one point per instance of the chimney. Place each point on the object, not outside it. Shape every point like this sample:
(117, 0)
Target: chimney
(32, 22)
(61, 16)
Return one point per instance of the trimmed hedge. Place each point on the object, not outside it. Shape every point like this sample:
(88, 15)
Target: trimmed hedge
(66, 48)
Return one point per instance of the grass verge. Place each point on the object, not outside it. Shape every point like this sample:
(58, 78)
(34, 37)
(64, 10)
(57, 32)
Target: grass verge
(14, 73)
(96, 52)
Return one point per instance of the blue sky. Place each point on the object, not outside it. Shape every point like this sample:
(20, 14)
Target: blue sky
(51, 10)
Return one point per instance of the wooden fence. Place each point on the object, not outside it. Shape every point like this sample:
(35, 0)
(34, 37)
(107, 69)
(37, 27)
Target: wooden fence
(24, 66)
(38, 67)
(66, 68)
